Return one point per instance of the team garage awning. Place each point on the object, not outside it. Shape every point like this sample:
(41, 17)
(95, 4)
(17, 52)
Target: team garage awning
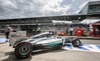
(89, 21)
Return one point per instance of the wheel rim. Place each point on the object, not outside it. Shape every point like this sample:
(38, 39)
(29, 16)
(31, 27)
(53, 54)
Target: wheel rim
(77, 42)
(24, 50)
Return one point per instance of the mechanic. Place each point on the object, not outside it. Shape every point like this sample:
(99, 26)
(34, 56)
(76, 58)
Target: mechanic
(8, 29)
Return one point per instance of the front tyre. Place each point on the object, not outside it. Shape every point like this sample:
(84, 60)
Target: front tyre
(76, 42)
(23, 50)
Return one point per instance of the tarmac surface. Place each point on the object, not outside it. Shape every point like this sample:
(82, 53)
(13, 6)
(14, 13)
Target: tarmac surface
(7, 54)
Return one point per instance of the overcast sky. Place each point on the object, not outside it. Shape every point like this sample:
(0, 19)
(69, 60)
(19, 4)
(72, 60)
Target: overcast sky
(37, 8)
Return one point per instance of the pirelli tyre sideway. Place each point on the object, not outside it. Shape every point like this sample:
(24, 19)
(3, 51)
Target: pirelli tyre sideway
(76, 42)
(23, 50)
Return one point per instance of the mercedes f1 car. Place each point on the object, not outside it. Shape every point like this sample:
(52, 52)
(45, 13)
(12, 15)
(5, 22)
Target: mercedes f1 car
(46, 40)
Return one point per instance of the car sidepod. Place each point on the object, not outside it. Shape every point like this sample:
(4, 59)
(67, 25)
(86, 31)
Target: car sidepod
(50, 43)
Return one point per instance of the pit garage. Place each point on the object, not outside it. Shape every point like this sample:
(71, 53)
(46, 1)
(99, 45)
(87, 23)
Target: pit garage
(96, 29)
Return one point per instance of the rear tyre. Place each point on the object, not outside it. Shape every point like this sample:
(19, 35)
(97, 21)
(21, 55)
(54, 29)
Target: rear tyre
(76, 42)
(23, 50)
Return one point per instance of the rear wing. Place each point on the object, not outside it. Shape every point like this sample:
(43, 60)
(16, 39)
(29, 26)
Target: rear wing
(14, 36)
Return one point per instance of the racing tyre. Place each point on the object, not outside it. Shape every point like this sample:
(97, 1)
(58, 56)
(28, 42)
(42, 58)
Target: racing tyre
(76, 42)
(23, 50)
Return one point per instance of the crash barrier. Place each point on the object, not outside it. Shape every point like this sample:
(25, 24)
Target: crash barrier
(16, 36)
(85, 47)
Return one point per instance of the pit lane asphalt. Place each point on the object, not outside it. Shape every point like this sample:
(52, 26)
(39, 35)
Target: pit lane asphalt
(7, 54)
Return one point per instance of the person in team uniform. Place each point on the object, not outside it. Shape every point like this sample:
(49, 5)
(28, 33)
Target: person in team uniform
(8, 29)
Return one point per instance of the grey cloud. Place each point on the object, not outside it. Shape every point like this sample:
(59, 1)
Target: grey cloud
(34, 8)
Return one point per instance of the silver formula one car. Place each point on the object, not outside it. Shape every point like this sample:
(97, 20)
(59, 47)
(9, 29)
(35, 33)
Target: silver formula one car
(46, 40)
